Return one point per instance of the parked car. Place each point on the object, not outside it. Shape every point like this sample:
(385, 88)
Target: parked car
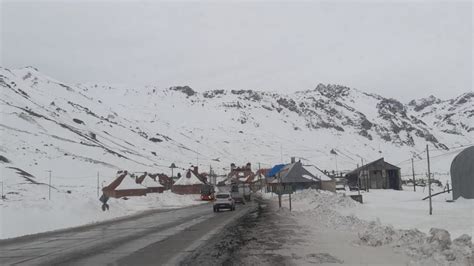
(223, 201)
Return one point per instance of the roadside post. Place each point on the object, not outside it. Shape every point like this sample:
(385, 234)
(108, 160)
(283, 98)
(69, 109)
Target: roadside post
(97, 184)
(290, 197)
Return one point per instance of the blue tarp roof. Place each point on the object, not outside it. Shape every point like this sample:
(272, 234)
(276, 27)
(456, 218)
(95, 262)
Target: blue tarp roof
(275, 169)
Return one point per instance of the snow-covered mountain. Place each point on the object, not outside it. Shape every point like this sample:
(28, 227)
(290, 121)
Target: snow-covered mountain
(78, 130)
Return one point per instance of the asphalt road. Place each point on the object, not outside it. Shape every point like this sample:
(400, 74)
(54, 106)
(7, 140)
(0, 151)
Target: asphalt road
(153, 238)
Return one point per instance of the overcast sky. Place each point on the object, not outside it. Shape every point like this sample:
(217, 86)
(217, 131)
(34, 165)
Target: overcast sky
(403, 50)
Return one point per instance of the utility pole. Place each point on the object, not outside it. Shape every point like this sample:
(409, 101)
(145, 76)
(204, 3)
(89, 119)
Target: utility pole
(2, 189)
(413, 171)
(49, 187)
(281, 153)
(429, 178)
(279, 190)
(97, 184)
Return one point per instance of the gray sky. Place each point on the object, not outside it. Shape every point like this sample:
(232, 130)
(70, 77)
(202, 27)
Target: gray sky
(402, 50)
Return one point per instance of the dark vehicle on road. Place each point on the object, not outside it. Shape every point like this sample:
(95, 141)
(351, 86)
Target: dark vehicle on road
(224, 201)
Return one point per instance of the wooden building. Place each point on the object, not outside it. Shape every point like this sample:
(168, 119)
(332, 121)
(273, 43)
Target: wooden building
(375, 175)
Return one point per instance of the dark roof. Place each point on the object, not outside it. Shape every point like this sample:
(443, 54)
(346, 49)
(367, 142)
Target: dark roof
(379, 164)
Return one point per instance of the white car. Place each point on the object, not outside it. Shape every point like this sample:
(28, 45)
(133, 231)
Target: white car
(223, 201)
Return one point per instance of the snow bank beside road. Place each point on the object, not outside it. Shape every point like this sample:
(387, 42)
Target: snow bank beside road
(23, 217)
(315, 210)
(405, 210)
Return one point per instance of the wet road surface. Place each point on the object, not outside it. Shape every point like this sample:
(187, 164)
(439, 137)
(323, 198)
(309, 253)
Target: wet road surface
(255, 240)
(154, 238)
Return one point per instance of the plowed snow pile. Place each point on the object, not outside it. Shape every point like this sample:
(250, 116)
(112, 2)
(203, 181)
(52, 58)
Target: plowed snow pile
(322, 209)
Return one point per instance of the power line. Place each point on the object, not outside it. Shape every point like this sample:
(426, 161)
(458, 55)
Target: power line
(451, 152)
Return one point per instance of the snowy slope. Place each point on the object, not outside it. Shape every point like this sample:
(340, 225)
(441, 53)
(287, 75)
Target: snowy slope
(82, 130)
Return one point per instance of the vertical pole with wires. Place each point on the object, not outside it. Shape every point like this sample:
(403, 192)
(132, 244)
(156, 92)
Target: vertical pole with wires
(97, 184)
(279, 190)
(413, 172)
(429, 178)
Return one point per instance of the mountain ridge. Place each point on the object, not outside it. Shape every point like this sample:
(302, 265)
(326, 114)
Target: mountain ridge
(49, 124)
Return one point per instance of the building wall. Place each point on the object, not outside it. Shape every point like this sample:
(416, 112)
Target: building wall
(155, 189)
(125, 193)
(377, 178)
(273, 187)
(186, 189)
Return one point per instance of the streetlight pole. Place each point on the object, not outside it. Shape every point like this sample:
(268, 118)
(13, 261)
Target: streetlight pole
(172, 166)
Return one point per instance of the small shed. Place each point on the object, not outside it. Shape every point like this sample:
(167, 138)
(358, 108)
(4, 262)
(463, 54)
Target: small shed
(462, 174)
(375, 175)
(187, 184)
(124, 185)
